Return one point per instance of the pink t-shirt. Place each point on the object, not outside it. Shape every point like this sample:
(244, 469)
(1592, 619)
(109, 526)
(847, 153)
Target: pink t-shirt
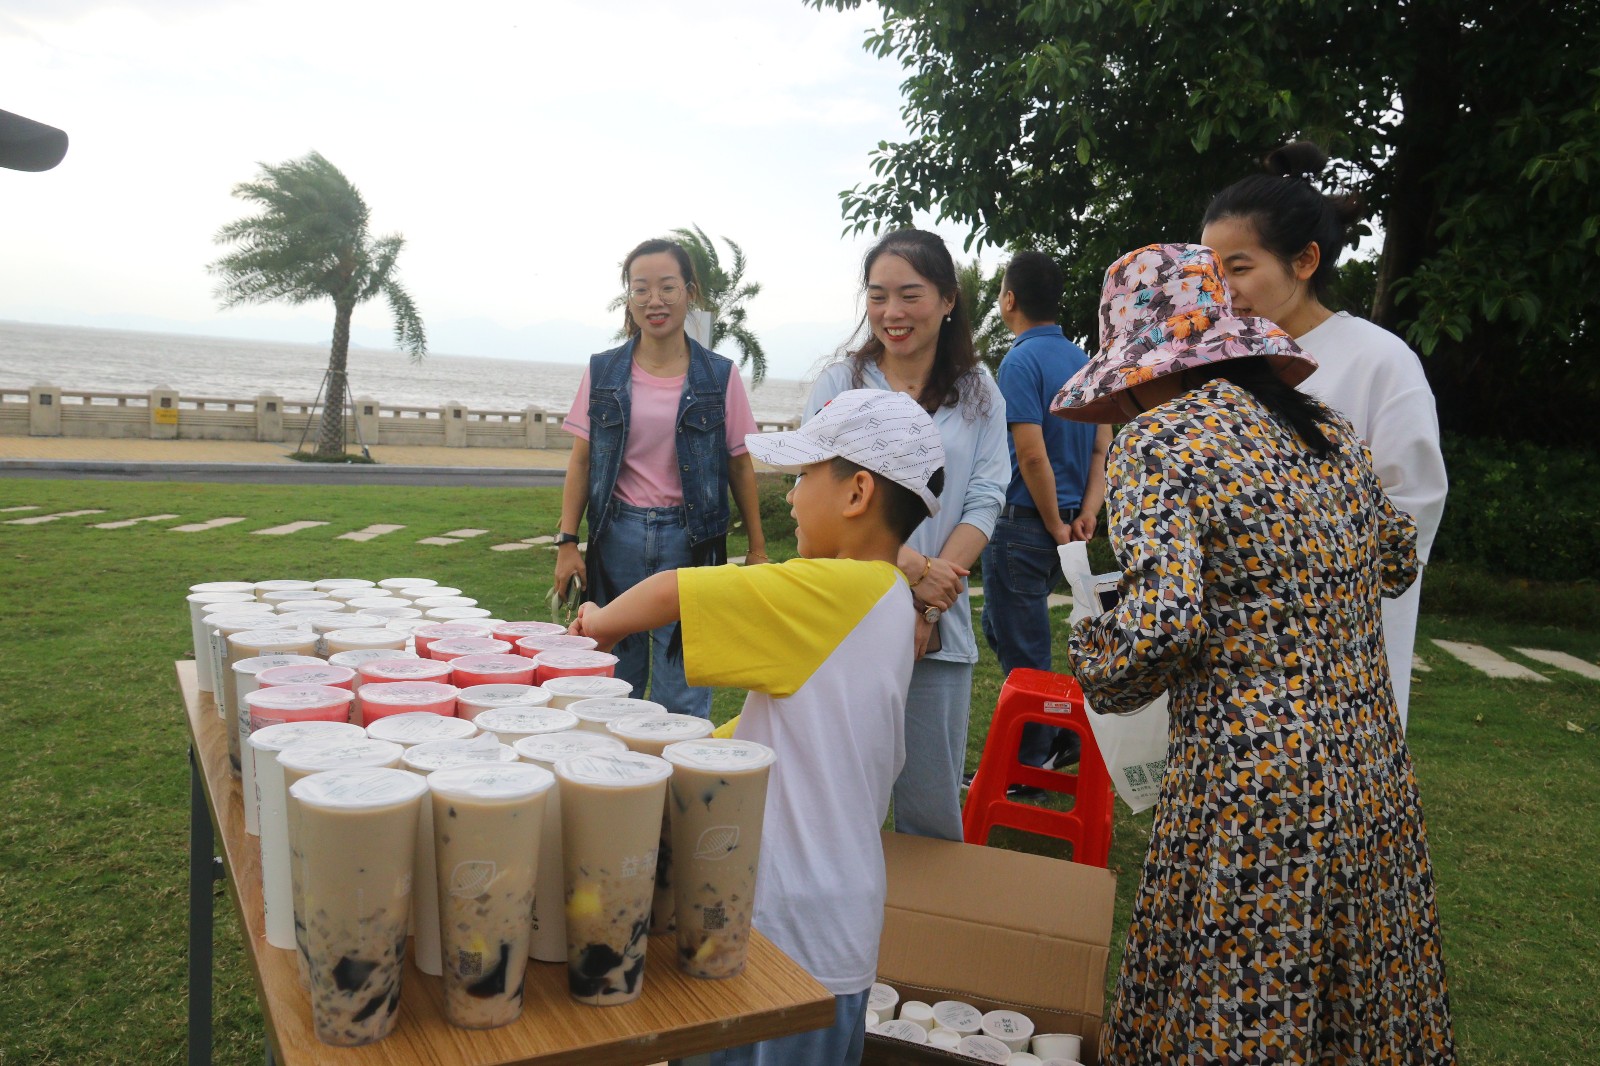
(649, 474)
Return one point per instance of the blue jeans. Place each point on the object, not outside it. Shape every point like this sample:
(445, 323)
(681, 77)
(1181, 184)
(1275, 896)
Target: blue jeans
(840, 1044)
(927, 794)
(1021, 567)
(639, 542)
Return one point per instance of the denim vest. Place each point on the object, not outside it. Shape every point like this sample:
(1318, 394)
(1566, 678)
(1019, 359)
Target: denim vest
(701, 440)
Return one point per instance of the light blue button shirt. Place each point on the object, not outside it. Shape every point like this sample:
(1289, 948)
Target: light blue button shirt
(977, 467)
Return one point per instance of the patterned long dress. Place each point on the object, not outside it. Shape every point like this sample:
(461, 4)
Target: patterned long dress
(1286, 911)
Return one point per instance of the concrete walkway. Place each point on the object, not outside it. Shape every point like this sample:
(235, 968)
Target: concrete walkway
(85, 450)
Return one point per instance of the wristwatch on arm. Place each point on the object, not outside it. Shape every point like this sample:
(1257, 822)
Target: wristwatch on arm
(565, 538)
(930, 613)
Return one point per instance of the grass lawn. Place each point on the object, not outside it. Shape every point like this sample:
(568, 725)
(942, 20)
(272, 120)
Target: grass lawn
(93, 845)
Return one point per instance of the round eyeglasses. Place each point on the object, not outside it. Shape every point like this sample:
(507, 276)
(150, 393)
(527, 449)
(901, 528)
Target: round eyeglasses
(669, 294)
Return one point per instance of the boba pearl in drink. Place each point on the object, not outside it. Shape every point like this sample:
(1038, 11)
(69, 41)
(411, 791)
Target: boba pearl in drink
(649, 733)
(610, 825)
(719, 795)
(486, 825)
(354, 834)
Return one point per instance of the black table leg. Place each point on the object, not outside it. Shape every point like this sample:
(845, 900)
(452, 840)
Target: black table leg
(203, 864)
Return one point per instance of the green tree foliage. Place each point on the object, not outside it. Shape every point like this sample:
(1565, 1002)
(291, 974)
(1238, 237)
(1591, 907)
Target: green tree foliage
(980, 291)
(1470, 130)
(310, 242)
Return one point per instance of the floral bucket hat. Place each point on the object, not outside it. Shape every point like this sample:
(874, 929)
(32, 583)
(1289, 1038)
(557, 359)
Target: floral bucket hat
(1165, 309)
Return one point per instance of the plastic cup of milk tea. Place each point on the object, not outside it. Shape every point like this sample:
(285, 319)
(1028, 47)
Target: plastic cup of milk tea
(200, 604)
(718, 796)
(610, 826)
(595, 715)
(362, 639)
(474, 700)
(649, 733)
(245, 674)
(486, 826)
(218, 625)
(248, 644)
(511, 724)
(549, 943)
(355, 833)
(565, 691)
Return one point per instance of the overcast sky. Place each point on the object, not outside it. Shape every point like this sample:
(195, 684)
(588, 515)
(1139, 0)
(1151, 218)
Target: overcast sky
(521, 148)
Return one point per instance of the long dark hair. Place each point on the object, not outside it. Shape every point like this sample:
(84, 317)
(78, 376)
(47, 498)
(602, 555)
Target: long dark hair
(1289, 212)
(1302, 413)
(656, 246)
(955, 377)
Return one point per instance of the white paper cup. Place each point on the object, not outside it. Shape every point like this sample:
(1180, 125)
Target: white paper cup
(944, 1039)
(1057, 1045)
(270, 798)
(983, 1048)
(918, 1012)
(1012, 1029)
(883, 999)
(898, 1029)
(1023, 1058)
(953, 1014)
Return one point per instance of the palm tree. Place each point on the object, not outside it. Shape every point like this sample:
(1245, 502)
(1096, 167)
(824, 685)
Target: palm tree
(981, 293)
(723, 294)
(309, 243)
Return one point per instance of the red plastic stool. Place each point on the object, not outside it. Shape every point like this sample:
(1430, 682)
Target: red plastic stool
(1053, 700)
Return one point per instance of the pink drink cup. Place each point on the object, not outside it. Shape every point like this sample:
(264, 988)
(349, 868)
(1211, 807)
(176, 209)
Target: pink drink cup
(515, 631)
(298, 703)
(306, 674)
(501, 669)
(426, 635)
(456, 647)
(389, 670)
(562, 663)
(381, 699)
(532, 646)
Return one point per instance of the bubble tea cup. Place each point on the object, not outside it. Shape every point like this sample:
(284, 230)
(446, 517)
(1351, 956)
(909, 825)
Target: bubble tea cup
(648, 733)
(718, 796)
(354, 834)
(610, 826)
(486, 826)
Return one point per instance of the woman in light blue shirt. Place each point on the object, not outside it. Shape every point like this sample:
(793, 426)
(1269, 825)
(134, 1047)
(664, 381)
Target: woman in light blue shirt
(919, 342)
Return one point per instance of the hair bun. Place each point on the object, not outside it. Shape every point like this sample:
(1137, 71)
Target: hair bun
(1297, 159)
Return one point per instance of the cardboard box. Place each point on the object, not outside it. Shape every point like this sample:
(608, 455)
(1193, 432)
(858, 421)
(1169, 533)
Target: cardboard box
(996, 929)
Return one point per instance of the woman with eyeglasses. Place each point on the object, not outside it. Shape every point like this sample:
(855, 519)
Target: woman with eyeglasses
(660, 423)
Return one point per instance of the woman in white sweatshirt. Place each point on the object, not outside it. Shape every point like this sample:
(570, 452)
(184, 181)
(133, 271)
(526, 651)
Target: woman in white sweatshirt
(1279, 239)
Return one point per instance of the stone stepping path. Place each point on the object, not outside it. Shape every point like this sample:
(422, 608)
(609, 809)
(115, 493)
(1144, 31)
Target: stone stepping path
(201, 527)
(40, 519)
(370, 532)
(1561, 660)
(530, 542)
(24, 507)
(455, 536)
(126, 522)
(285, 529)
(1491, 663)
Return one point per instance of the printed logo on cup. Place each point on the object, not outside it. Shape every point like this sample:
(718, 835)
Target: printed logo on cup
(472, 878)
(717, 843)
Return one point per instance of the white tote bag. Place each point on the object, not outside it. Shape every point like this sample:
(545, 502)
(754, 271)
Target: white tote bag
(1134, 745)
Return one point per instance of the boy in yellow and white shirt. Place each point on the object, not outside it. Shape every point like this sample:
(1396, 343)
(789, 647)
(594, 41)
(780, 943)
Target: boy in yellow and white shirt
(824, 645)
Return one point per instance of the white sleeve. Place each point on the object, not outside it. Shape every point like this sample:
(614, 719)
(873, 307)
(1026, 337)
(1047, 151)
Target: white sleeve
(1405, 440)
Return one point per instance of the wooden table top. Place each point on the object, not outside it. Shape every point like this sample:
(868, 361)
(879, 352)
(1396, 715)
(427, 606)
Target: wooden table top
(675, 1016)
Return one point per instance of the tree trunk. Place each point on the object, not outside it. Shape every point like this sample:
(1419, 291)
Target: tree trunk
(331, 442)
(1430, 100)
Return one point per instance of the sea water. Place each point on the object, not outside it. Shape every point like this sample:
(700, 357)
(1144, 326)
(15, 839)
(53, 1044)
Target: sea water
(116, 360)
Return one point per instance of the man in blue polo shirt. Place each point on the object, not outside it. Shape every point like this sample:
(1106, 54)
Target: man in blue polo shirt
(1057, 488)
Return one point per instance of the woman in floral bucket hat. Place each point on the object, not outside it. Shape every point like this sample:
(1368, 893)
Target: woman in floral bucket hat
(1286, 910)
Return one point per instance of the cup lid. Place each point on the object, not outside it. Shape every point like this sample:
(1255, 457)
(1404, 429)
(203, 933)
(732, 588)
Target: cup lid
(308, 606)
(587, 687)
(366, 635)
(220, 596)
(224, 586)
(504, 696)
(452, 614)
(328, 621)
(358, 789)
(420, 727)
(412, 669)
(287, 735)
(604, 709)
(540, 642)
(984, 1048)
(422, 591)
(492, 781)
(368, 655)
(297, 697)
(407, 583)
(461, 646)
(349, 594)
(358, 752)
(282, 637)
(492, 663)
(251, 606)
(406, 692)
(449, 630)
(964, 1018)
(444, 601)
(900, 1029)
(561, 659)
(621, 769)
(649, 725)
(551, 748)
(290, 595)
(257, 663)
(329, 584)
(527, 721)
(438, 754)
(720, 756)
(1007, 1025)
(284, 585)
(380, 600)
(515, 631)
(318, 673)
(386, 611)
(236, 623)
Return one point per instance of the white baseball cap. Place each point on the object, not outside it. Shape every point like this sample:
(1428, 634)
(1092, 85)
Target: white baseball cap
(886, 432)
